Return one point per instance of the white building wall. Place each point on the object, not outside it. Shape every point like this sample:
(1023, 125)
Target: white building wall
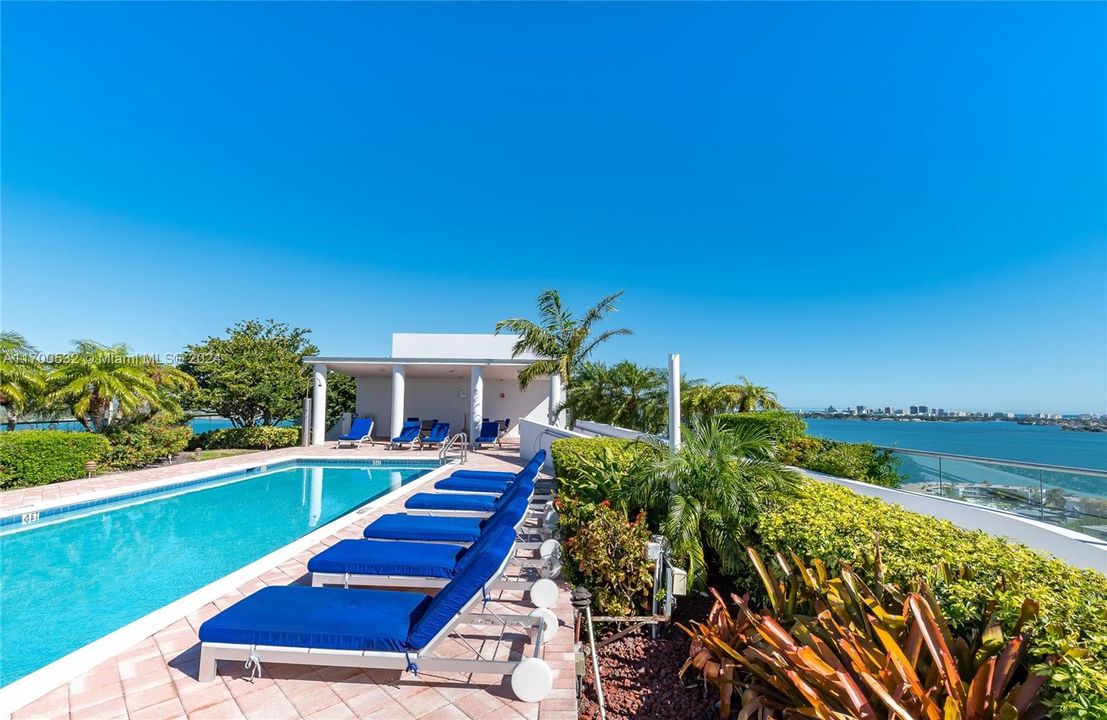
(454, 346)
(374, 399)
(516, 404)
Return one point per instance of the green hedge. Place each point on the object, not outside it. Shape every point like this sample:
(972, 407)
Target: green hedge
(139, 445)
(857, 461)
(247, 438)
(780, 425)
(591, 468)
(40, 457)
(839, 526)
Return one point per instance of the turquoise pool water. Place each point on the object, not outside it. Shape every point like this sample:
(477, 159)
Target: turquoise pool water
(70, 579)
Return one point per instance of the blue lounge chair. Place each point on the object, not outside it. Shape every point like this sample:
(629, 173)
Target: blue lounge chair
(377, 629)
(398, 564)
(471, 502)
(462, 530)
(361, 430)
(438, 434)
(489, 433)
(409, 434)
(488, 480)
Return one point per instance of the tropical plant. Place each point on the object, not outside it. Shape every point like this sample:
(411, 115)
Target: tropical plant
(782, 426)
(755, 397)
(608, 554)
(710, 493)
(624, 394)
(559, 340)
(103, 385)
(254, 376)
(837, 525)
(856, 652)
(21, 375)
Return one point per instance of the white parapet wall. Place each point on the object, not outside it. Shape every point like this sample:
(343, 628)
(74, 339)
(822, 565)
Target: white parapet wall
(1072, 547)
(587, 427)
(535, 436)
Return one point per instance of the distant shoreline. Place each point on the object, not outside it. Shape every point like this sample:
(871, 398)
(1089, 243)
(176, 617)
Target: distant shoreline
(1071, 424)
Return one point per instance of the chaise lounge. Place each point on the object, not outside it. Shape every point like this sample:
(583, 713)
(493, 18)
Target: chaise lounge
(379, 629)
(361, 430)
(409, 433)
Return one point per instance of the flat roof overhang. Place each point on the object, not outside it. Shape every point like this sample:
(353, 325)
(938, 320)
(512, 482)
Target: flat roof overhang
(421, 367)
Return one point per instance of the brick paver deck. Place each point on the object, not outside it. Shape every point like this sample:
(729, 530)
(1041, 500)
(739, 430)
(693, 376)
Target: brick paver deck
(156, 679)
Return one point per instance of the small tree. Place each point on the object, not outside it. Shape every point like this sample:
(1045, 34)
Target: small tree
(341, 396)
(254, 376)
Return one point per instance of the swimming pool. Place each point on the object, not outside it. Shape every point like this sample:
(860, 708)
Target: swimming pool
(72, 575)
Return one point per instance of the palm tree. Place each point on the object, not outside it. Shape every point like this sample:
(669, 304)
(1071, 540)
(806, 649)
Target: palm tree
(708, 495)
(21, 376)
(102, 385)
(560, 341)
(625, 394)
(755, 397)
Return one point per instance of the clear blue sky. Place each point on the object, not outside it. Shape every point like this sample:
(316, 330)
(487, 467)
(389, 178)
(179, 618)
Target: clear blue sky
(855, 203)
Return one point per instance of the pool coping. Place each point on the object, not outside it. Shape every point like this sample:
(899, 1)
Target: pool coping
(64, 669)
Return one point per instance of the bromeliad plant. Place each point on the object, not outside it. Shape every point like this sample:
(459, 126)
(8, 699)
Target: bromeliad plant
(856, 652)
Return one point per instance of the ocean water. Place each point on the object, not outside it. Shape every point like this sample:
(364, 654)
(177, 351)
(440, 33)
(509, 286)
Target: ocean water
(69, 580)
(999, 440)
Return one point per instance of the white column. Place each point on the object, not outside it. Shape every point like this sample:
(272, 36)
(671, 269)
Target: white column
(555, 400)
(674, 402)
(319, 406)
(476, 399)
(315, 507)
(397, 400)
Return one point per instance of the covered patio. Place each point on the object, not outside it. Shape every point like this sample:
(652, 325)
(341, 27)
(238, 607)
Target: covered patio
(459, 379)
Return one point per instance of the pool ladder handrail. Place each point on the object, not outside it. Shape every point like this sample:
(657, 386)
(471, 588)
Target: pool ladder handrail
(462, 446)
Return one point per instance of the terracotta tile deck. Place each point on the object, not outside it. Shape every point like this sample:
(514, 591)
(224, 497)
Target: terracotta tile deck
(156, 678)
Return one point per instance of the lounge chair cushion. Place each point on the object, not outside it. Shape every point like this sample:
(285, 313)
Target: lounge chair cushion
(484, 474)
(430, 528)
(424, 527)
(388, 557)
(310, 617)
(474, 484)
(469, 502)
(453, 598)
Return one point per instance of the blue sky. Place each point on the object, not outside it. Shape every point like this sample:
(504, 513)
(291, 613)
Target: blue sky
(853, 203)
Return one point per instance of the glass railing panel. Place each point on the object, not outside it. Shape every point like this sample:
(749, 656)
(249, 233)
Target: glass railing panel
(1069, 497)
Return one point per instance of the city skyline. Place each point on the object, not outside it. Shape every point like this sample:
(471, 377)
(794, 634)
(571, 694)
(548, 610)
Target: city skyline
(911, 205)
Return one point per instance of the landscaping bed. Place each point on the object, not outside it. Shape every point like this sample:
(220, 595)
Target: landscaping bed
(640, 674)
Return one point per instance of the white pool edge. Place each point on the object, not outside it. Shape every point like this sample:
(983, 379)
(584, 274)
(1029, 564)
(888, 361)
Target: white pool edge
(44, 680)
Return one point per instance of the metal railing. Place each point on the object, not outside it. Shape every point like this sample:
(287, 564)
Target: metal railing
(462, 445)
(1071, 497)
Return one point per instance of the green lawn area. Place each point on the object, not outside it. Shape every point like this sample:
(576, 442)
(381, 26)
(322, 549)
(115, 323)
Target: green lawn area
(193, 456)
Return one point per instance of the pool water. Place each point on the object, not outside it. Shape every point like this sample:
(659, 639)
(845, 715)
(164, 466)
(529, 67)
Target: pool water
(68, 580)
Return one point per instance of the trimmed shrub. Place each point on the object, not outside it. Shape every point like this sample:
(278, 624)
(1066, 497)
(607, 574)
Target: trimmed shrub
(140, 444)
(40, 457)
(608, 555)
(262, 437)
(838, 526)
(780, 425)
(594, 469)
(857, 461)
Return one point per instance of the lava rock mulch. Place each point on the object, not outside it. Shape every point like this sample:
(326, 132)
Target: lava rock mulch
(640, 677)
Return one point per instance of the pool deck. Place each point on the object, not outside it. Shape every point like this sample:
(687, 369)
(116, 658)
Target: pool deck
(155, 679)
